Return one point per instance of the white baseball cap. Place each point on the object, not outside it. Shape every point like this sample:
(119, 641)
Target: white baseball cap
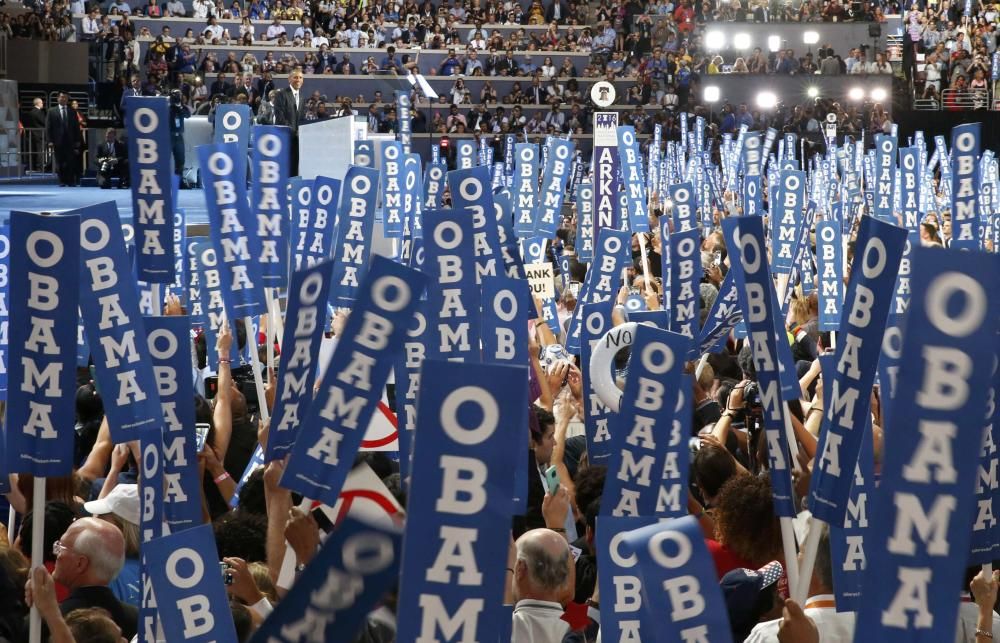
(123, 501)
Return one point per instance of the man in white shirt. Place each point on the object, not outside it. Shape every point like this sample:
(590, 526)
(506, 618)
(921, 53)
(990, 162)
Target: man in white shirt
(213, 29)
(319, 38)
(833, 626)
(177, 8)
(544, 576)
(92, 25)
(275, 29)
(201, 9)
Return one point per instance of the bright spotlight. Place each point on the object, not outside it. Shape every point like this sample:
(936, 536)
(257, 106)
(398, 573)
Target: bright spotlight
(711, 94)
(879, 94)
(774, 43)
(766, 100)
(741, 41)
(715, 40)
(856, 93)
(810, 37)
(812, 92)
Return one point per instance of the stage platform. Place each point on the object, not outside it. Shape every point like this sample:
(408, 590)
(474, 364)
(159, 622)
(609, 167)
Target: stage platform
(37, 196)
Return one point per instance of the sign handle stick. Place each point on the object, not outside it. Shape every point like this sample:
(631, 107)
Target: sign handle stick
(37, 553)
(274, 313)
(701, 366)
(809, 549)
(157, 301)
(788, 544)
(790, 435)
(257, 379)
(11, 516)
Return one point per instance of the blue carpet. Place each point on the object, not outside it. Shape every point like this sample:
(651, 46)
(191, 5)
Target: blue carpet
(39, 197)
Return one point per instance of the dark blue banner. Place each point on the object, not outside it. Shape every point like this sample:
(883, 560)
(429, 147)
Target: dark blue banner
(299, 197)
(359, 556)
(169, 341)
(786, 219)
(830, 267)
(232, 125)
(525, 188)
(753, 199)
(677, 570)
(630, 159)
(885, 176)
(724, 315)
(505, 320)
(985, 530)
(392, 190)
(189, 588)
(269, 202)
(685, 203)
(406, 371)
(405, 119)
(413, 188)
(879, 249)
(470, 192)
(213, 296)
(512, 266)
(965, 149)
(453, 298)
(461, 490)
(613, 250)
(847, 542)
(228, 222)
(356, 218)
(305, 316)
(920, 533)
(434, 182)
(553, 189)
(622, 613)
(745, 240)
(194, 291)
(4, 311)
(465, 154)
(685, 280)
(909, 186)
(180, 242)
(44, 295)
(331, 432)
(109, 306)
(595, 321)
(320, 231)
(672, 496)
(638, 452)
(151, 517)
(607, 210)
(150, 169)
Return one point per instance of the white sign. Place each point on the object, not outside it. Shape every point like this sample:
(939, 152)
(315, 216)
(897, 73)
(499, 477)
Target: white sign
(541, 277)
(602, 93)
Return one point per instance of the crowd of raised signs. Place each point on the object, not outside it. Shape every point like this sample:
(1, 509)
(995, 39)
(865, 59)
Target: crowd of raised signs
(668, 399)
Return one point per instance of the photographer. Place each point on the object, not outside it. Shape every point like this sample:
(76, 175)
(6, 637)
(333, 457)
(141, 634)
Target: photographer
(178, 113)
(112, 161)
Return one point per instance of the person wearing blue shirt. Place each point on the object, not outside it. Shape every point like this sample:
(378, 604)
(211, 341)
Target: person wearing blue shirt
(450, 65)
(389, 63)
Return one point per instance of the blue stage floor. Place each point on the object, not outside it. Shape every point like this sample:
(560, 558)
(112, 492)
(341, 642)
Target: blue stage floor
(49, 197)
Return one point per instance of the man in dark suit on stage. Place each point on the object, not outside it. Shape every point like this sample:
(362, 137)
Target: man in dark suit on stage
(112, 161)
(290, 110)
(65, 139)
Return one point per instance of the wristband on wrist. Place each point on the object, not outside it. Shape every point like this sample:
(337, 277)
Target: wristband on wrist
(984, 633)
(221, 477)
(224, 361)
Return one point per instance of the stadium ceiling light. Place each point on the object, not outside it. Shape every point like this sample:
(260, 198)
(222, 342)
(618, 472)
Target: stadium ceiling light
(856, 94)
(766, 100)
(741, 41)
(715, 40)
(812, 92)
(879, 94)
(773, 43)
(711, 94)
(810, 37)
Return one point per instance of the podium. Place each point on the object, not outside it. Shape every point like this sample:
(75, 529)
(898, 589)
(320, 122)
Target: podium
(326, 147)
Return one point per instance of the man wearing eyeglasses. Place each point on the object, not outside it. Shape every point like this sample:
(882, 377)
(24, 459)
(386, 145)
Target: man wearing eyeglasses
(88, 557)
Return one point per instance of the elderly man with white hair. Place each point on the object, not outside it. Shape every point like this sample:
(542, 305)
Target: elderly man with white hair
(88, 557)
(544, 578)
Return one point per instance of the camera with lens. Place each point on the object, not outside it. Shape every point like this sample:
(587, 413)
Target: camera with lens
(175, 97)
(751, 396)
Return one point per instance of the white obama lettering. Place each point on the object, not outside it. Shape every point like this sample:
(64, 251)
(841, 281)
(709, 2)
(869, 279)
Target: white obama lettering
(463, 492)
(294, 381)
(150, 197)
(43, 297)
(94, 238)
(505, 307)
(269, 209)
(233, 241)
(195, 609)
(683, 592)
(163, 346)
(354, 235)
(944, 387)
(453, 327)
